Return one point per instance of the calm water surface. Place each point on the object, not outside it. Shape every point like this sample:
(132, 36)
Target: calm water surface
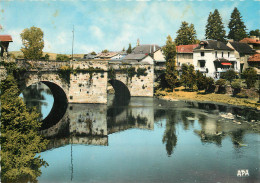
(150, 140)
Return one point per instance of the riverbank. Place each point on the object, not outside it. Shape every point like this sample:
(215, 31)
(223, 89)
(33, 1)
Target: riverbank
(180, 94)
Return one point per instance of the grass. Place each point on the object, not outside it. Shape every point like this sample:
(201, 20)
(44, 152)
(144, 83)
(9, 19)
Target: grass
(181, 94)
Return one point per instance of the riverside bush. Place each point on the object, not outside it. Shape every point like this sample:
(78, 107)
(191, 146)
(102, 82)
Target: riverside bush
(221, 83)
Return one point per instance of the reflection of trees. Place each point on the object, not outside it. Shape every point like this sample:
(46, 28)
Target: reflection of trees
(237, 137)
(169, 136)
(185, 121)
(33, 96)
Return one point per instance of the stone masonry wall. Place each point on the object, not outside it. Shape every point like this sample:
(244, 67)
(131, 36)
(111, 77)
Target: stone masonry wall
(138, 86)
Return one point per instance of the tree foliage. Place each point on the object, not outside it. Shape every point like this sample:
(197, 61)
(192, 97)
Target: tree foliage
(33, 43)
(129, 49)
(169, 51)
(230, 75)
(93, 53)
(237, 28)
(255, 33)
(188, 76)
(62, 57)
(250, 75)
(105, 51)
(186, 34)
(215, 28)
(20, 140)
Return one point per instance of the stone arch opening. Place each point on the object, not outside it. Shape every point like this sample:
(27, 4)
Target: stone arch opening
(59, 106)
(122, 98)
(121, 90)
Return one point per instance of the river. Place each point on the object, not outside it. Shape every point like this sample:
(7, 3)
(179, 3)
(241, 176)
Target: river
(149, 140)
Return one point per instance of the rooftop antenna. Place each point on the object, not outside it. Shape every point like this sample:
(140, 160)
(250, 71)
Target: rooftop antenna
(72, 42)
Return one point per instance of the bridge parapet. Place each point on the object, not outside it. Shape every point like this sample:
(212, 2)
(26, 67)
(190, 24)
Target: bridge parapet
(90, 64)
(50, 65)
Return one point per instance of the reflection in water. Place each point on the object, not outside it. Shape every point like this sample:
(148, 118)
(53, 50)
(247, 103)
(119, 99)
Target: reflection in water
(169, 136)
(149, 128)
(38, 96)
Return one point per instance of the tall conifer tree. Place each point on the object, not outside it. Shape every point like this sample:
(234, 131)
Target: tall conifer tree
(186, 34)
(236, 26)
(215, 28)
(169, 51)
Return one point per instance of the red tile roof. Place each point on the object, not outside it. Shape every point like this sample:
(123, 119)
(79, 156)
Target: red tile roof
(186, 48)
(6, 38)
(254, 58)
(250, 40)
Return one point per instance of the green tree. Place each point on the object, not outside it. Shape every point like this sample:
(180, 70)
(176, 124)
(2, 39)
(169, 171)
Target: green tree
(255, 33)
(230, 75)
(93, 53)
(33, 43)
(184, 75)
(169, 51)
(105, 51)
(201, 81)
(47, 57)
(20, 140)
(209, 85)
(250, 75)
(192, 77)
(237, 28)
(62, 57)
(215, 28)
(129, 50)
(186, 34)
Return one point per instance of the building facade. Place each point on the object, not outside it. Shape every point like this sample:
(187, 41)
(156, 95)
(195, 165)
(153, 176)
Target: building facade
(214, 58)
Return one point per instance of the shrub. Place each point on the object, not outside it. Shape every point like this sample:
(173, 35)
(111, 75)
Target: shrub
(209, 84)
(221, 83)
(236, 85)
(201, 81)
(230, 75)
(250, 76)
(61, 57)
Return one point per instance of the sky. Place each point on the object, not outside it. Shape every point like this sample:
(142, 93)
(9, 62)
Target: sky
(113, 24)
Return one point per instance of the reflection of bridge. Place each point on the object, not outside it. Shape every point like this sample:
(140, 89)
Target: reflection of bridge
(92, 123)
(87, 81)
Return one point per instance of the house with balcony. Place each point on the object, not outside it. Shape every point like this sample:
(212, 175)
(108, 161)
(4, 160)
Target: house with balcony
(214, 58)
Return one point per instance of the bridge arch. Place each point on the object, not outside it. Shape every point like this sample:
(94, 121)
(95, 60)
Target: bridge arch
(122, 92)
(59, 106)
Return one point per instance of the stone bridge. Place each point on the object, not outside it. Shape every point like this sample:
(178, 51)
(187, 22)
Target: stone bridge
(87, 81)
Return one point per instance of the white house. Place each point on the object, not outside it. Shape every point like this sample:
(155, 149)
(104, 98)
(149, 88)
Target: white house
(214, 58)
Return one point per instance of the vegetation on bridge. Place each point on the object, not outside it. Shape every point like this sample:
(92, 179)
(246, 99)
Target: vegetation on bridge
(130, 71)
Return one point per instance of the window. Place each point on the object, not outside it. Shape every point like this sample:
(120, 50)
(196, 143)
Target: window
(228, 54)
(216, 54)
(202, 63)
(202, 54)
(222, 54)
